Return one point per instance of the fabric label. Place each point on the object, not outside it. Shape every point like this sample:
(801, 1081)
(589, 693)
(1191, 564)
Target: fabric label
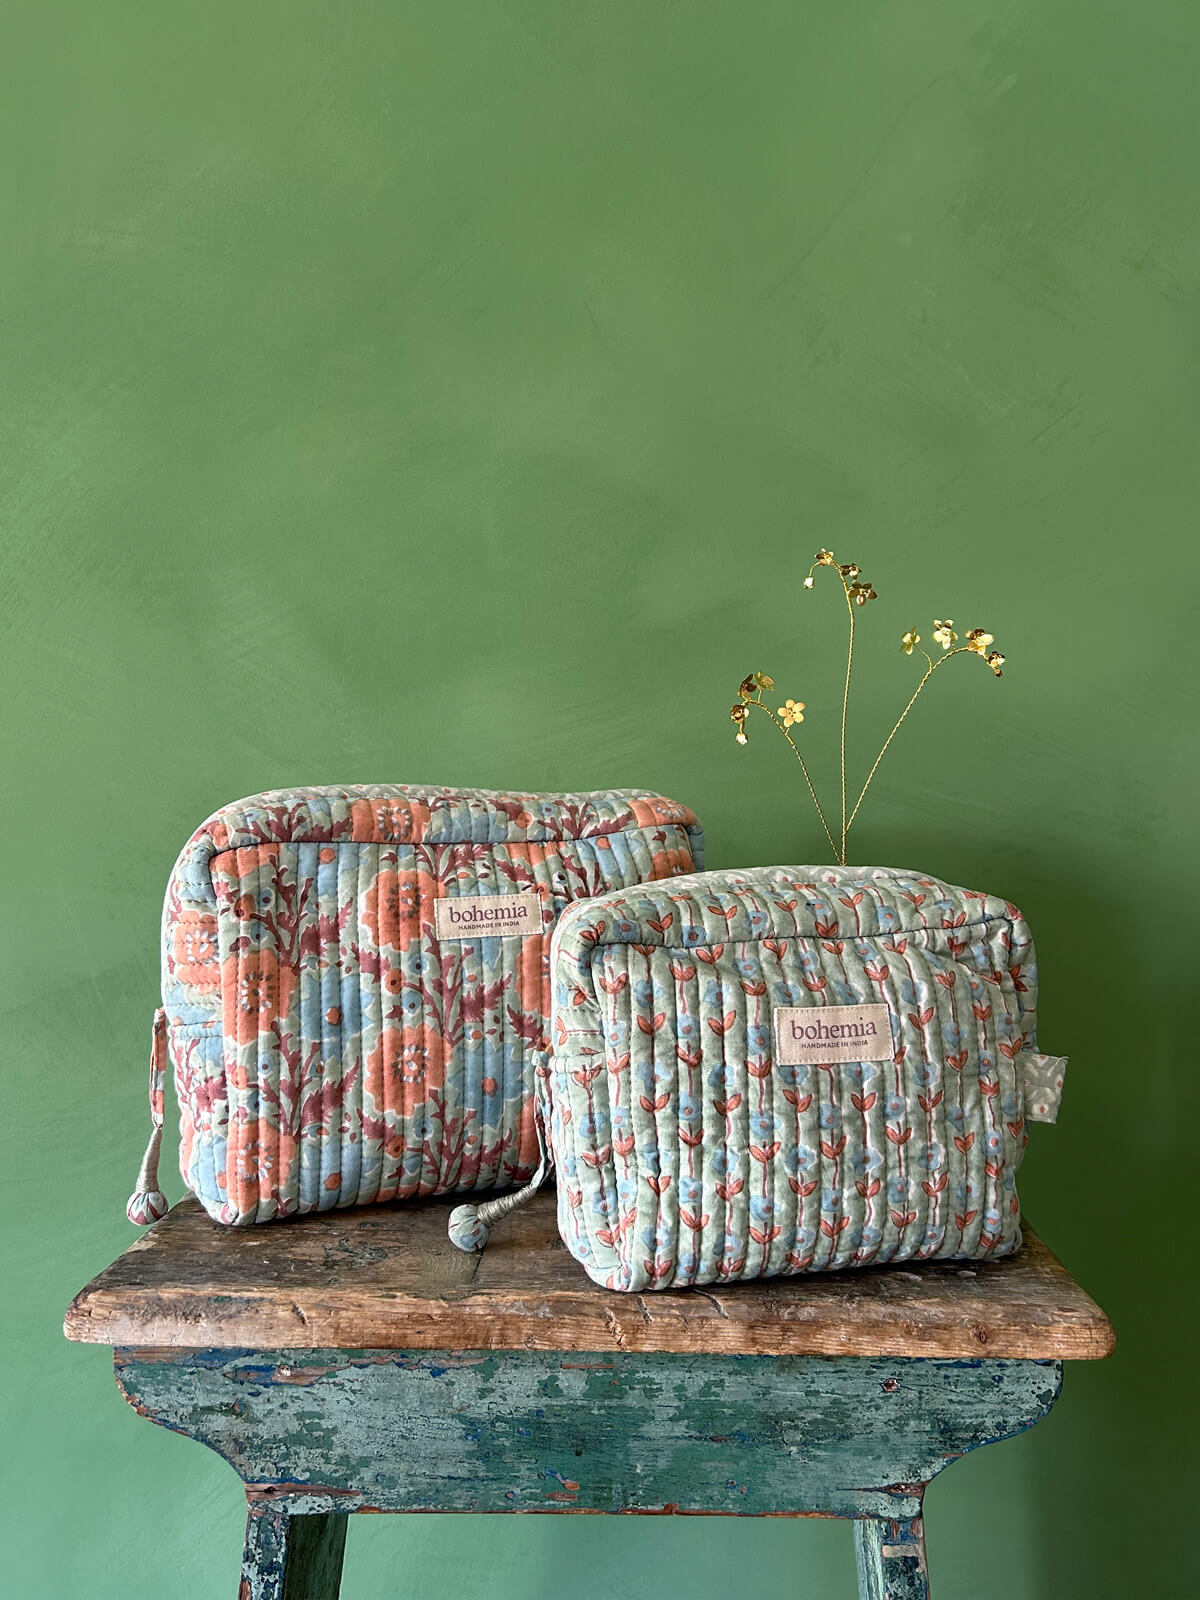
(807, 1034)
(488, 916)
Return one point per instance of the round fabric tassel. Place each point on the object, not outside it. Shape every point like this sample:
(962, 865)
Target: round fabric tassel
(148, 1203)
(469, 1226)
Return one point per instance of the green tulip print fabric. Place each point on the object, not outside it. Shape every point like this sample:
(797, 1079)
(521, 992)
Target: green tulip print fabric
(791, 1069)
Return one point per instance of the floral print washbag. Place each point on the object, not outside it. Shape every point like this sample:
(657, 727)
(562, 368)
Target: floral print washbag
(355, 981)
(789, 1069)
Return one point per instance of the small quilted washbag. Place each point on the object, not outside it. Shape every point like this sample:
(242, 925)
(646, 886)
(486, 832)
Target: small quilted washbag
(354, 981)
(792, 1069)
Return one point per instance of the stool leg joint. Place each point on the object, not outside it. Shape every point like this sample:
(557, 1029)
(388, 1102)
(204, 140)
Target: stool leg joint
(291, 1557)
(890, 1556)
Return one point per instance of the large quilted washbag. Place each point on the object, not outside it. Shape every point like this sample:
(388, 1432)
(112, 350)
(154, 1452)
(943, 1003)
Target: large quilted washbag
(791, 1069)
(354, 981)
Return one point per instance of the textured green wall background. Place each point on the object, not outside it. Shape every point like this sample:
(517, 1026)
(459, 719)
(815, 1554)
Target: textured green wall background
(457, 393)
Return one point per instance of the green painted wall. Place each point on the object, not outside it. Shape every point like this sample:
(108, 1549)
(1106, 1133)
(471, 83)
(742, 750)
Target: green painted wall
(457, 393)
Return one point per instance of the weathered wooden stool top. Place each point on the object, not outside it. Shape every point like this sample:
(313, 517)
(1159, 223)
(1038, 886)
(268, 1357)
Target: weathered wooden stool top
(387, 1277)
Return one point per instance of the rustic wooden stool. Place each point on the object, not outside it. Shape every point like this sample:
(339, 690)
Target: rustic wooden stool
(357, 1362)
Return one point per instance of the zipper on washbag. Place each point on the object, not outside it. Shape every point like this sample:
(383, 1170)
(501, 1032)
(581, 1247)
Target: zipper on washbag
(148, 1203)
(470, 1225)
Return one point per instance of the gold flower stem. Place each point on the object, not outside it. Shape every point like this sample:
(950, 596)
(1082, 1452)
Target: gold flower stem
(845, 711)
(925, 677)
(803, 768)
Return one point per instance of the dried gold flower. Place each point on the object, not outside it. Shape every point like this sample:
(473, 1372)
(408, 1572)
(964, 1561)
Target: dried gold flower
(944, 633)
(909, 641)
(978, 641)
(995, 660)
(737, 714)
(747, 688)
(860, 593)
(851, 570)
(740, 737)
(824, 558)
(808, 582)
(791, 711)
(764, 680)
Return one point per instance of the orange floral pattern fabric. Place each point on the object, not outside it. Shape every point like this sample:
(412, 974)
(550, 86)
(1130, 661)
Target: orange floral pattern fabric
(328, 1048)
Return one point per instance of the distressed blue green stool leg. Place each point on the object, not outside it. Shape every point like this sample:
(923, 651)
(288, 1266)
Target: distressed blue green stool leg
(291, 1557)
(315, 1434)
(890, 1555)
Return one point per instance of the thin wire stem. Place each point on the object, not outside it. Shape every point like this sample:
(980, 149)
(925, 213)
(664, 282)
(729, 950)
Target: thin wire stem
(925, 677)
(803, 766)
(845, 712)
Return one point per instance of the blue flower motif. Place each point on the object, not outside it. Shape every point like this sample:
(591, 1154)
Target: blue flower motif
(690, 1190)
(897, 1190)
(896, 1105)
(760, 1208)
(831, 1117)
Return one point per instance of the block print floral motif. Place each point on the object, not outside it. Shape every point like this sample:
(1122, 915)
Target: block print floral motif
(687, 1152)
(328, 1050)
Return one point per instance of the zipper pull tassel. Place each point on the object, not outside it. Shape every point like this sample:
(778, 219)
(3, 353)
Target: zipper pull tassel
(148, 1203)
(469, 1226)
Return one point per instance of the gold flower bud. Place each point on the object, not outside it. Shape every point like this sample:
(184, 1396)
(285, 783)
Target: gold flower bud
(748, 687)
(995, 660)
(737, 714)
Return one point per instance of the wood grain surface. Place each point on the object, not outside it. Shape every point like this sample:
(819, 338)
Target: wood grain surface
(386, 1277)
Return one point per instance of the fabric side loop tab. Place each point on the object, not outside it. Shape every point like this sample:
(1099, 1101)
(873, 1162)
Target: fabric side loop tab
(1042, 1083)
